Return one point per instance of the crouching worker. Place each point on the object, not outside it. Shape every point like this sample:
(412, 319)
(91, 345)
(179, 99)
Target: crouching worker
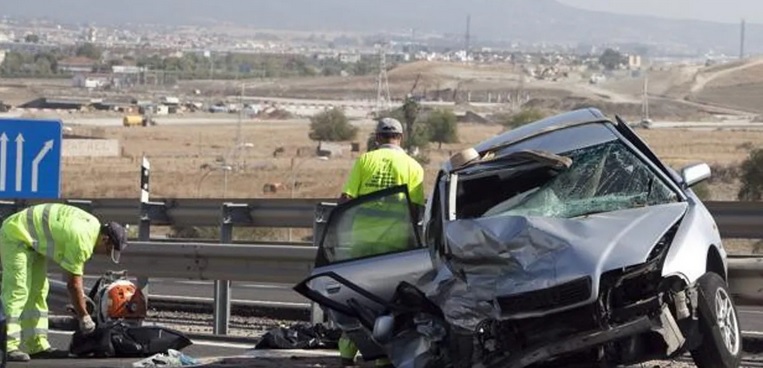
(66, 235)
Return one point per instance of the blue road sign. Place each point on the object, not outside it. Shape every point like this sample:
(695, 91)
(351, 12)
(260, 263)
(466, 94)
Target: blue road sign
(30, 158)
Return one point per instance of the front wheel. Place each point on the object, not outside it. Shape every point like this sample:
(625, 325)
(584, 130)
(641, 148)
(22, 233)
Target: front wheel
(721, 345)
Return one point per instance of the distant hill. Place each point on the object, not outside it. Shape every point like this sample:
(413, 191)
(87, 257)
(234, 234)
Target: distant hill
(514, 20)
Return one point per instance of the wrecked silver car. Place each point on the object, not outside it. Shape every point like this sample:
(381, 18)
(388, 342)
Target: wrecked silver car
(562, 242)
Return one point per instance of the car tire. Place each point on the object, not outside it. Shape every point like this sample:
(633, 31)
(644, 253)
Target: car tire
(721, 345)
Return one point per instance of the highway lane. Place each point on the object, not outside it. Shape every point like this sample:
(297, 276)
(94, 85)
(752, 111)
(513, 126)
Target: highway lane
(751, 320)
(203, 350)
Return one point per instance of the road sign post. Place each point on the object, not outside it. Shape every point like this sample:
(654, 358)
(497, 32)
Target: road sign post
(30, 158)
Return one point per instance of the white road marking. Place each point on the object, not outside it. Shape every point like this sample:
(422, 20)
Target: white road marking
(752, 311)
(285, 353)
(261, 286)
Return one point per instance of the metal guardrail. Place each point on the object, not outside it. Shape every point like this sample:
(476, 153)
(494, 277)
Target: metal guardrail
(283, 213)
(282, 264)
(290, 262)
(742, 220)
(735, 219)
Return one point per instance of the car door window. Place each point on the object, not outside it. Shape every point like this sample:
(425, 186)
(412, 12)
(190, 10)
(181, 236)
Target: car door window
(371, 225)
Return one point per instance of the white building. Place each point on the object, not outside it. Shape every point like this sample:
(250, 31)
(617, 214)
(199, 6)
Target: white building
(349, 58)
(91, 81)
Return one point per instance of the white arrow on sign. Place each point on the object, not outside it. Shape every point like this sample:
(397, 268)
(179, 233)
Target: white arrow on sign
(36, 163)
(19, 160)
(3, 160)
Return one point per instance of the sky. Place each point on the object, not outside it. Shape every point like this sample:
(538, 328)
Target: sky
(727, 11)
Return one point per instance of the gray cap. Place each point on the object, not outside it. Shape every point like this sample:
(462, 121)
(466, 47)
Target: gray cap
(117, 234)
(389, 125)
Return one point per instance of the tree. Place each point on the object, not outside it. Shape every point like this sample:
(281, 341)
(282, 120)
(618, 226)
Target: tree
(32, 38)
(751, 176)
(90, 51)
(331, 125)
(443, 127)
(420, 136)
(13, 64)
(523, 117)
(702, 190)
(410, 114)
(611, 59)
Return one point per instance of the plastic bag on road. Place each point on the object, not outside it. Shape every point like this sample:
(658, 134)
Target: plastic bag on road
(300, 336)
(172, 358)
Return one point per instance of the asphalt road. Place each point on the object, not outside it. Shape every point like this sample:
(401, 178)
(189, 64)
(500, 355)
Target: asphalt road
(200, 349)
(751, 320)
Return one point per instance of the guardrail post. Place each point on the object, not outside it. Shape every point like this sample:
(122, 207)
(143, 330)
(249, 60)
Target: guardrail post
(322, 211)
(222, 287)
(232, 214)
(144, 234)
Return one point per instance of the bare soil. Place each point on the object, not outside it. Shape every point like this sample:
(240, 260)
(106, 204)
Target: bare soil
(177, 155)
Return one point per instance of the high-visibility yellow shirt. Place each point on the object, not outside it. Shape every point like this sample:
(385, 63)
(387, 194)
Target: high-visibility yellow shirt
(383, 168)
(384, 225)
(63, 233)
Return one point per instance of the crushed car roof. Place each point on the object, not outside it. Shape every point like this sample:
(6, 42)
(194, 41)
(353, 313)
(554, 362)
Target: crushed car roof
(487, 148)
(576, 117)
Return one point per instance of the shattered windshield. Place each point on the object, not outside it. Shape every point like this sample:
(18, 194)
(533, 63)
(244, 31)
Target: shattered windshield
(602, 178)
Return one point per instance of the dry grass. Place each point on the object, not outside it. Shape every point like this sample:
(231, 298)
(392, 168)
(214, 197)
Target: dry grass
(176, 154)
(737, 85)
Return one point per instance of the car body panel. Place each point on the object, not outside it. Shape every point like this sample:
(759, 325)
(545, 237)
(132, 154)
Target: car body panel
(541, 127)
(508, 262)
(503, 256)
(698, 232)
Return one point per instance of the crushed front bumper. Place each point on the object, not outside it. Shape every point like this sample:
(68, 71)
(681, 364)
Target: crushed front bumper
(663, 323)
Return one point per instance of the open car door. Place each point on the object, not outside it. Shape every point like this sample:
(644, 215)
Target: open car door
(629, 134)
(367, 247)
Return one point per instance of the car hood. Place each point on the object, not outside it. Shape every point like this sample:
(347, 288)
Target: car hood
(501, 256)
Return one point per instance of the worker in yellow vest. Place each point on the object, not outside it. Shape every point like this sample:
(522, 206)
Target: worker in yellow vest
(61, 233)
(376, 226)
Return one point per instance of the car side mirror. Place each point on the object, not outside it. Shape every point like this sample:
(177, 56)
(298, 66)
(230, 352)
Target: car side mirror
(693, 174)
(384, 328)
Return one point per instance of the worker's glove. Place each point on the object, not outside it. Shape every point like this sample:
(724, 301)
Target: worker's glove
(86, 325)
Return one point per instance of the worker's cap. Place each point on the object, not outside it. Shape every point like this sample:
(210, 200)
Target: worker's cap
(389, 125)
(117, 235)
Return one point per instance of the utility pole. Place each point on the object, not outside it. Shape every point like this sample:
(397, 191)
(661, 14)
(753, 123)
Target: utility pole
(645, 101)
(239, 140)
(468, 36)
(741, 39)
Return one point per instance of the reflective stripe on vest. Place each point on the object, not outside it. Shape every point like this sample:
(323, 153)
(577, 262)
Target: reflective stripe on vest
(50, 246)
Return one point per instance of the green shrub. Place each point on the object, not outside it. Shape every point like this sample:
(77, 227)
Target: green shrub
(332, 125)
